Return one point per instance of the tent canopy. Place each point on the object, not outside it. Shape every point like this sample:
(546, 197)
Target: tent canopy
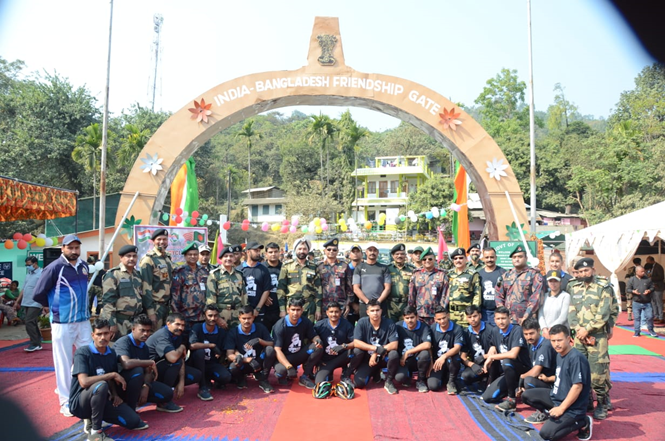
(21, 200)
(614, 242)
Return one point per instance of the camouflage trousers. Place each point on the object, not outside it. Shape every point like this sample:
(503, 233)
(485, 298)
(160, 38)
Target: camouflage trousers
(599, 361)
(161, 311)
(396, 310)
(124, 324)
(309, 308)
(629, 303)
(457, 313)
(230, 315)
(95, 291)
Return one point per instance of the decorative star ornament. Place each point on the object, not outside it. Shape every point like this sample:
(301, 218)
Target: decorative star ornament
(128, 225)
(449, 119)
(201, 111)
(152, 164)
(496, 169)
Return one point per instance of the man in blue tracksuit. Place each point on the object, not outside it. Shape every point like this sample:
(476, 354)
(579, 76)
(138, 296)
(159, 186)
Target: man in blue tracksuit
(63, 288)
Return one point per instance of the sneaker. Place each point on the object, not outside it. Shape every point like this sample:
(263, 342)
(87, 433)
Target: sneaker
(33, 348)
(204, 394)
(637, 334)
(266, 387)
(142, 426)
(307, 382)
(537, 417)
(586, 431)
(282, 381)
(99, 436)
(507, 405)
(653, 334)
(390, 387)
(64, 409)
(87, 426)
(241, 383)
(452, 388)
(421, 387)
(169, 407)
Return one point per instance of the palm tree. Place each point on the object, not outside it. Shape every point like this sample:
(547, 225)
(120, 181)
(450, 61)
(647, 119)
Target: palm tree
(323, 128)
(350, 135)
(248, 133)
(132, 145)
(88, 152)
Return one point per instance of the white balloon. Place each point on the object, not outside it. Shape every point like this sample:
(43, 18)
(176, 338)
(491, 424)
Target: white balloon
(49, 242)
(43, 236)
(413, 218)
(411, 213)
(99, 265)
(209, 222)
(534, 261)
(435, 211)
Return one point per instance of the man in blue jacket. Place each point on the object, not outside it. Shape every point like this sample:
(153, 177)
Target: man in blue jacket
(63, 288)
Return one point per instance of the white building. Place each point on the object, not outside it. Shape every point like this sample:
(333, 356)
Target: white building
(266, 204)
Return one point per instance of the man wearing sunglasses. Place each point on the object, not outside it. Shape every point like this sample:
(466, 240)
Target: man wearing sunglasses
(336, 280)
(463, 288)
(427, 288)
(400, 273)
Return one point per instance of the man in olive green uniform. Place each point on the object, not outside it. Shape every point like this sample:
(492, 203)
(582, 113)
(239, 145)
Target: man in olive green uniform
(400, 272)
(475, 263)
(156, 272)
(590, 316)
(123, 295)
(226, 289)
(445, 263)
(463, 288)
(299, 277)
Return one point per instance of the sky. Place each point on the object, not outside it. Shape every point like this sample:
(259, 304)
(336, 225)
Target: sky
(452, 47)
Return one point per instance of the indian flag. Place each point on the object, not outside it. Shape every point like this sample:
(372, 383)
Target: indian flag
(461, 217)
(184, 192)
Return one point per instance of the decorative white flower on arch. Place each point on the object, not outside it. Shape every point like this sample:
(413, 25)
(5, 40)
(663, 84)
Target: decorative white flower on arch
(496, 169)
(152, 164)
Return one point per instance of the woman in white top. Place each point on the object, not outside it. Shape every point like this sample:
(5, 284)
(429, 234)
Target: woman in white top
(554, 309)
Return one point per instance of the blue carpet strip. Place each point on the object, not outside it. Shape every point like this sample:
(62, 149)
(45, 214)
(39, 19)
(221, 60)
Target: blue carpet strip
(18, 345)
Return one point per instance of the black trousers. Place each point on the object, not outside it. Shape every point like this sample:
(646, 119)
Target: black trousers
(308, 357)
(169, 373)
(158, 393)
(268, 319)
(419, 363)
(363, 371)
(212, 370)
(534, 383)
(95, 404)
(31, 316)
(448, 373)
(264, 363)
(469, 378)
(326, 368)
(507, 384)
(554, 428)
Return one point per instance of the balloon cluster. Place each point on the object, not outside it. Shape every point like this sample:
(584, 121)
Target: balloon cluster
(22, 241)
(382, 220)
(192, 218)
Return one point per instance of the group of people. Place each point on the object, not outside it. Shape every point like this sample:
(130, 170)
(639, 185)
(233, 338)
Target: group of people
(465, 323)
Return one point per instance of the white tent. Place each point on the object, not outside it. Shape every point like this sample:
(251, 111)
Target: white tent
(614, 242)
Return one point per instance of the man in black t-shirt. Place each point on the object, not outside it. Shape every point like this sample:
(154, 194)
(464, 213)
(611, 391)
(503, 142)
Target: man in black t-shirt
(292, 335)
(270, 312)
(206, 344)
(543, 364)
(257, 277)
(415, 341)
(251, 349)
(447, 344)
(139, 371)
(167, 349)
(372, 281)
(565, 404)
(491, 276)
(376, 342)
(337, 336)
(479, 339)
(511, 350)
(93, 393)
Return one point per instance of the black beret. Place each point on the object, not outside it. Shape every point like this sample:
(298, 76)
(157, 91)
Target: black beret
(427, 252)
(128, 249)
(236, 248)
(586, 262)
(474, 247)
(518, 249)
(159, 232)
(225, 250)
(458, 252)
(331, 243)
(398, 247)
(190, 247)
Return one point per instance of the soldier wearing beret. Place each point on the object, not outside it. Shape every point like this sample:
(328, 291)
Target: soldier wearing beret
(590, 317)
(156, 271)
(463, 288)
(237, 253)
(475, 263)
(400, 273)
(226, 289)
(188, 290)
(522, 288)
(336, 280)
(299, 277)
(123, 294)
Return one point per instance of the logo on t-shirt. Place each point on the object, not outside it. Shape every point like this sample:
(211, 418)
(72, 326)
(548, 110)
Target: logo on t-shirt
(478, 351)
(408, 344)
(443, 348)
(100, 370)
(332, 342)
(488, 292)
(273, 280)
(251, 286)
(296, 344)
(555, 388)
(503, 348)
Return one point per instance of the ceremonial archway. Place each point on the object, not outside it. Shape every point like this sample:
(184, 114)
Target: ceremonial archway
(325, 80)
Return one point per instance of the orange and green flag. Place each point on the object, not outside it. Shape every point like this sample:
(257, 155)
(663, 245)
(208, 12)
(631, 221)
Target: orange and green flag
(461, 217)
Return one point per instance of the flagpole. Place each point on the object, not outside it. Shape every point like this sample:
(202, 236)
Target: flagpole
(532, 130)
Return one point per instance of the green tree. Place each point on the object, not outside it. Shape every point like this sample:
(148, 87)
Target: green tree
(323, 128)
(435, 192)
(248, 133)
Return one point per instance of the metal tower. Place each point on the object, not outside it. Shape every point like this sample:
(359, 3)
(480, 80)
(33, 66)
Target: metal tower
(158, 20)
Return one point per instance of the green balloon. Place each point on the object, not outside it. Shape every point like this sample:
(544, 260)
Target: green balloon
(402, 218)
(202, 222)
(303, 228)
(205, 217)
(165, 217)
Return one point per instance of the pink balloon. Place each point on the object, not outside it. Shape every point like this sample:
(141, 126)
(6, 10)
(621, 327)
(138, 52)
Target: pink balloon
(323, 221)
(324, 227)
(284, 229)
(295, 221)
(293, 229)
(265, 226)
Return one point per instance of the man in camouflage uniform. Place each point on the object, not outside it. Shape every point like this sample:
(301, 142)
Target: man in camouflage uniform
(522, 288)
(156, 272)
(445, 263)
(590, 316)
(475, 263)
(204, 258)
(463, 288)
(400, 273)
(336, 281)
(226, 289)
(188, 289)
(123, 295)
(95, 291)
(629, 295)
(299, 277)
(427, 288)
(415, 257)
